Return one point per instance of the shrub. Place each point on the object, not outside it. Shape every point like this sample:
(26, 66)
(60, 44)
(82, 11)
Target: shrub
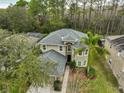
(57, 85)
(72, 65)
(91, 72)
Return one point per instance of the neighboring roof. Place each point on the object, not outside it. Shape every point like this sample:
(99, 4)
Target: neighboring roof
(114, 37)
(117, 41)
(55, 38)
(35, 34)
(58, 59)
(23, 37)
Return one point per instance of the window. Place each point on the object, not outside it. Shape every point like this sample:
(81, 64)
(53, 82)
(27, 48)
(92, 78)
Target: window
(86, 52)
(69, 47)
(80, 53)
(44, 47)
(84, 62)
(60, 48)
(79, 63)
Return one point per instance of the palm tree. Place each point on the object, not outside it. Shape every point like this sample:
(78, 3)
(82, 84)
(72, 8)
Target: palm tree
(94, 48)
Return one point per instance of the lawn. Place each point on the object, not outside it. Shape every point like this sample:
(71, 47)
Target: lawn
(104, 82)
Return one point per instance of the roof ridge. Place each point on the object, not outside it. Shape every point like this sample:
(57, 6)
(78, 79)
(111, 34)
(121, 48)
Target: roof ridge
(56, 36)
(54, 51)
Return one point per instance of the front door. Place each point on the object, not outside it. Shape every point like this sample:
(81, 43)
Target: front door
(69, 58)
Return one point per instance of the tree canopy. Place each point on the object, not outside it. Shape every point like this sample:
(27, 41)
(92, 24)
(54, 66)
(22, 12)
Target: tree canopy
(99, 16)
(21, 3)
(94, 48)
(20, 65)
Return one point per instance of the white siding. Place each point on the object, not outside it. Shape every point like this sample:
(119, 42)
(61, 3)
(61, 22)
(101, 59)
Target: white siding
(54, 47)
(76, 57)
(81, 58)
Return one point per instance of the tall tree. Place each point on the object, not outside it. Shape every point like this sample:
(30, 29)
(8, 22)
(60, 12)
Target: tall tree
(38, 7)
(93, 42)
(20, 66)
(21, 3)
(19, 20)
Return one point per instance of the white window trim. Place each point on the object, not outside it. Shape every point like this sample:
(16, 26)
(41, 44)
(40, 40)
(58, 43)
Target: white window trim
(85, 62)
(78, 64)
(81, 54)
(82, 63)
(45, 47)
(59, 48)
(85, 52)
(69, 50)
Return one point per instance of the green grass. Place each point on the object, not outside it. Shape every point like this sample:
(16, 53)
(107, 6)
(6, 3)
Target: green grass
(105, 81)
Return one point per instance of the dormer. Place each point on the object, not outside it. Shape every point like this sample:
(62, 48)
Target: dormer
(69, 39)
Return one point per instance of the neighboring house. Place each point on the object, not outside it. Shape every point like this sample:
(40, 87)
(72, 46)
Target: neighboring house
(31, 40)
(64, 42)
(35, 34)
(115, 45)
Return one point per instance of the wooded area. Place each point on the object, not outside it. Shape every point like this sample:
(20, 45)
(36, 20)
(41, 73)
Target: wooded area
(99, 16)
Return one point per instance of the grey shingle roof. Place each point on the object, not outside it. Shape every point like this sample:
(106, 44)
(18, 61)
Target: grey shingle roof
(110, 38)
(56, 37)
(117, 41)
(68, 38)
(80, 45)
(58, 59)
(35, 34)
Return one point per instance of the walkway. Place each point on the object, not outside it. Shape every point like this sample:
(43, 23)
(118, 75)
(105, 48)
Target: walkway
(65, 80)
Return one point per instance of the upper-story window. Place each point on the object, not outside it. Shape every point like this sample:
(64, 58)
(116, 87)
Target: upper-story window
(69, 47)
(84, 62)
(80, 53)
(60, 48)
(86, 52)
(44, 47)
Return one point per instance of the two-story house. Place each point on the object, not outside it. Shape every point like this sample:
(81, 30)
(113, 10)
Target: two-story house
(65, 42)
(60, 46)
(115, 45)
